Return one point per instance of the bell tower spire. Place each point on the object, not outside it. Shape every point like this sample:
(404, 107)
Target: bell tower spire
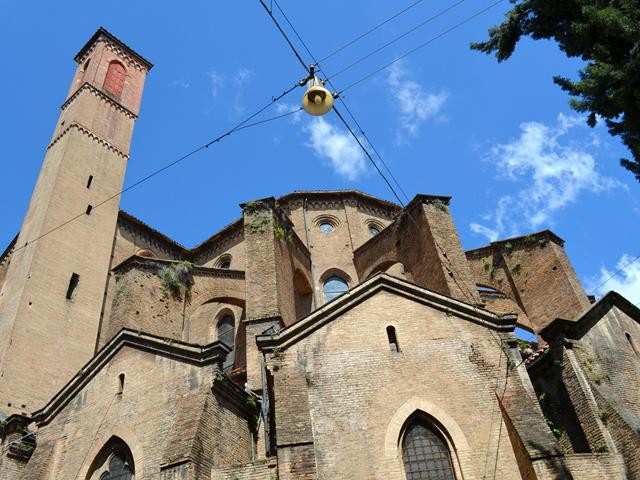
(51, 297)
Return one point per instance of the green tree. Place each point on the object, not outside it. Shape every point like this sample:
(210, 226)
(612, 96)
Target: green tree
(606, 35)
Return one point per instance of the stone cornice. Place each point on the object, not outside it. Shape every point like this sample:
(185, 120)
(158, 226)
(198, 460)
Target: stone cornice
(115, 44)
(101, 95)
(91, 135)
(199, 355)
(220, 241)
(562, 329)
(135, 225)
(9, 250)
(383, 282)
(321, 198)
(152, 264)
(525, 241)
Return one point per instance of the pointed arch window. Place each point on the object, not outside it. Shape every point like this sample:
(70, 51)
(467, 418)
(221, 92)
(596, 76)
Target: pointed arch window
(119, 469)
(226, 334)
(114, 462)
(114, 81)
(425, 453)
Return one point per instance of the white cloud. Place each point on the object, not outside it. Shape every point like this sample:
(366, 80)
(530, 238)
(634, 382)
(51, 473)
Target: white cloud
(181, 83)
(330, 143)
(242, 76)
(626, 283)
(552, 172)
(415, 105)
(283, 107)
(222, 81)
(217, 82)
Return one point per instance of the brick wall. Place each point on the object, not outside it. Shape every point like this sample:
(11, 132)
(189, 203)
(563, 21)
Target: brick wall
(535, 272)
(169, 412)
(348, 371)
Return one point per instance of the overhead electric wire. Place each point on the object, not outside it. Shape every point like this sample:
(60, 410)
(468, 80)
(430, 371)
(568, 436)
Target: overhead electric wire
(367, 154)
(375, 150)
(422, 45)
(240, 126)
(341, 100)
(368, 32)
(294, 31)
(620, 270)
(295, 52)
(391, 42)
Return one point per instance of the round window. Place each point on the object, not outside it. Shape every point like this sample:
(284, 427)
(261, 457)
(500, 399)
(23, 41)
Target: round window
(334, 286)
(326, 228)
(373, 230)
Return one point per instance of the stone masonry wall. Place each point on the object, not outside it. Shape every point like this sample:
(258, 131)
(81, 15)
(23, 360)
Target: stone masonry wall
(535, 272)
(164, 407)
(332, 389)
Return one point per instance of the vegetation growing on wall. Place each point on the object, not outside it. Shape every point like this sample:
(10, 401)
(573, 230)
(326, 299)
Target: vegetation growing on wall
(176, 277)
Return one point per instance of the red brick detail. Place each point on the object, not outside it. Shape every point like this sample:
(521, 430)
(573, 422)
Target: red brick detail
(114, 81)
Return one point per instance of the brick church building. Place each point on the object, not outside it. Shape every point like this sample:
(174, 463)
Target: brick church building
(321, 335)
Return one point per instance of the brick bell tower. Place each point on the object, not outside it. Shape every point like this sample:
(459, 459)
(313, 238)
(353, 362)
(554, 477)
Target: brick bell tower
(53, 292)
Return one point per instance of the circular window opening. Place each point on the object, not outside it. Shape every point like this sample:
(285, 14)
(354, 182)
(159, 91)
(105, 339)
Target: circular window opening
(326, 228)
(373, 230)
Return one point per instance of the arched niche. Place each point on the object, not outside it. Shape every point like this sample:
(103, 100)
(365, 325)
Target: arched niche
(303, 294)
(204, 319)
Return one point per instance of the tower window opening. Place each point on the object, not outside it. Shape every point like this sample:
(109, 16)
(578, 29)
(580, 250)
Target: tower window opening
(89, 180)
(226, 334)
(89, 208)
(120, 383)
(633, 345)
(73, 284)
(326, 228)
(114, 81)
(393, 340)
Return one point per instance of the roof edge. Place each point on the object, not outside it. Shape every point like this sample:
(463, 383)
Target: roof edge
(517, 241)
(187, 352)
(327, 313)
(561, 328)
(104, 32)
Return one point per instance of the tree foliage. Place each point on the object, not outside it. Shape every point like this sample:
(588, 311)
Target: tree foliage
(606, 35)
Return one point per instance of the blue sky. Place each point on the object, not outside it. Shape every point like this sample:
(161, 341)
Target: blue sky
(499, 138)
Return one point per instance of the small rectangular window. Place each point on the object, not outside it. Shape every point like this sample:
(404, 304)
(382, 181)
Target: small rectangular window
(393, 340)
(73, 283)
(89, 181)
(89, 208)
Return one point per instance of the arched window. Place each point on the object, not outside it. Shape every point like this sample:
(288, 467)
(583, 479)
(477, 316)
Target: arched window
(114, 462)
(118, 469)
(633, 345)
(326, 228)
(334, 286)
(393, 339)
(114, 81)
(425, 453)
(224, 261)
(226, 334)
